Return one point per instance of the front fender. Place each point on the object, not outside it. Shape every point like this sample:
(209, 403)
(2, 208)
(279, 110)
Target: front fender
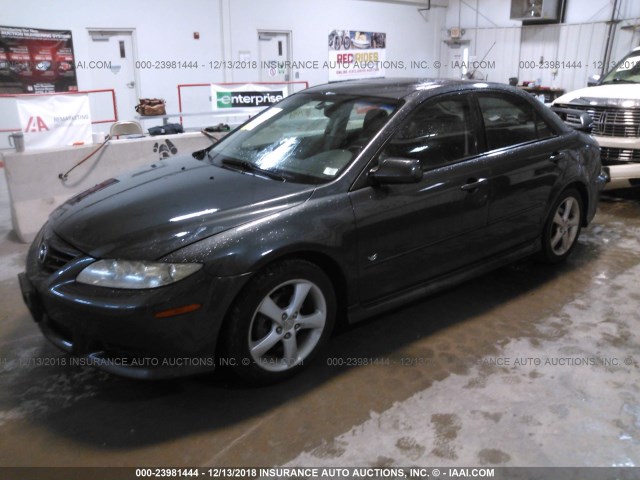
(323, 224)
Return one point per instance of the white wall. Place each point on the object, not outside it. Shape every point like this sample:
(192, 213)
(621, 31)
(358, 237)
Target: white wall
(164, 31)
(581, 38)
(495, 13)
(409, 35)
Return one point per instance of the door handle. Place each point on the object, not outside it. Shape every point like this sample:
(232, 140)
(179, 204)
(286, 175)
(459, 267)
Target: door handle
(473, 184)
(557, 156)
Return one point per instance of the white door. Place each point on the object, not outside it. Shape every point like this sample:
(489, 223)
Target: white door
(274, 53)
(114, 68)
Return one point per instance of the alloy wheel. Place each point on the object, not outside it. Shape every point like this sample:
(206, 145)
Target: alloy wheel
(566, 225)
(287, 325)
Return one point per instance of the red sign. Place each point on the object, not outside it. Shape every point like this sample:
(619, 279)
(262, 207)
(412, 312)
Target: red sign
(36, 124)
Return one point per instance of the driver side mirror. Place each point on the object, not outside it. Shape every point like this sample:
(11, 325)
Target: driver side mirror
(576, 119)
(396, 171)
(586, 122)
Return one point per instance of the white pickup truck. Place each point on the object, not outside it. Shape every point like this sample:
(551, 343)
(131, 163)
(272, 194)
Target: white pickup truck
(614, 106)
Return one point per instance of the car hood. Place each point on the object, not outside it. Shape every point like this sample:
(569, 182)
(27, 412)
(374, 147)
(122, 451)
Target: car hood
(153, 211)
(622, 91)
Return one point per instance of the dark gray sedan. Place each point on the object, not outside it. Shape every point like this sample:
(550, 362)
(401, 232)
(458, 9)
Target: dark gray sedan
(336, 204)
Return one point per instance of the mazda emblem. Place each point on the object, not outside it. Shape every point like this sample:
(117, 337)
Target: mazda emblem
(42, 252)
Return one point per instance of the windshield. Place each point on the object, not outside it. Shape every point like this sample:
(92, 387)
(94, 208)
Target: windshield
(626, 71)
(305, 138)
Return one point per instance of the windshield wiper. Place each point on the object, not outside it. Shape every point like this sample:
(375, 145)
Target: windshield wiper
(246, 166)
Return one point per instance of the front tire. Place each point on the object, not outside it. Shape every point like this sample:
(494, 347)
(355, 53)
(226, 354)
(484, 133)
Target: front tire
(562, 228)
(279, 322)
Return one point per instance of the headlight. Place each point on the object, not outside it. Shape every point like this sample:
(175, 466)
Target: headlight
(135, 275)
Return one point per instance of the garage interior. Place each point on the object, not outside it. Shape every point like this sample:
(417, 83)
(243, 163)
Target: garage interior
(528, 366)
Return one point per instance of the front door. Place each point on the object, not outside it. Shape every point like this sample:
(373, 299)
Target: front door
(410, 233)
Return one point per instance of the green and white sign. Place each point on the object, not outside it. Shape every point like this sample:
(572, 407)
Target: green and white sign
(244, 96)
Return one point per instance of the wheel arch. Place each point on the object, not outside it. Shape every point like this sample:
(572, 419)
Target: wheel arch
(584, 196)
(324, 262)
(581, 188)
(334, 271)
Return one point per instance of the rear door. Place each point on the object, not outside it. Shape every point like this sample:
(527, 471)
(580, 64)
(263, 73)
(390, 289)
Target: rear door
(410, 233)
(526, 156)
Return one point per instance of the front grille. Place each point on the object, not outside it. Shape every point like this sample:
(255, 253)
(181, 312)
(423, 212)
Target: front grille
(619, 156)
(58, 254)
(608, 121)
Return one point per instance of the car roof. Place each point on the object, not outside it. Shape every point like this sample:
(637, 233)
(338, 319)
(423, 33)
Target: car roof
(417, 89)
(398, 88)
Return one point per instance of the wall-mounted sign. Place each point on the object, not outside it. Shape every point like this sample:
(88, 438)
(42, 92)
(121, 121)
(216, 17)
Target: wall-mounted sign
(54, 120)
(244, 96)
(356, 54)
(33, 60)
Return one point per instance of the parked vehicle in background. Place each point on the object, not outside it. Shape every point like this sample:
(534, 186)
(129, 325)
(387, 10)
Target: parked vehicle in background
(614, 105)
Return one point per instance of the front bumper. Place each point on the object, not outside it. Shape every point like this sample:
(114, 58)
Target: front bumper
(622, 175)
(117, 330)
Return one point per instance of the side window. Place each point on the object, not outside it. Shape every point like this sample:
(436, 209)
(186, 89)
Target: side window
(437, 133)
(509, 120)
(354, 123)
(543, 129)
(366, 116)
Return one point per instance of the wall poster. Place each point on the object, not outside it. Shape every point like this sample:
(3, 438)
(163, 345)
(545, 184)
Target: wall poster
(356, 54)
(34, 60)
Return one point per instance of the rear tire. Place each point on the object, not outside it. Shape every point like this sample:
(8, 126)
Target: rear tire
(280, 321)
(562, 227)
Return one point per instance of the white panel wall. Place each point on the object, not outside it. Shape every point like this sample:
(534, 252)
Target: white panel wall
(539, 44)
(497, 46)
(495, 13)
(584, 43)
(581, 39)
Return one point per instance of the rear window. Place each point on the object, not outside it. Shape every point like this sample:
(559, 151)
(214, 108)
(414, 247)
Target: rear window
(509, 120)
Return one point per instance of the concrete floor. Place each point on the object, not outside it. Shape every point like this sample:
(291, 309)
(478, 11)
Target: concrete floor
(528, 366)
